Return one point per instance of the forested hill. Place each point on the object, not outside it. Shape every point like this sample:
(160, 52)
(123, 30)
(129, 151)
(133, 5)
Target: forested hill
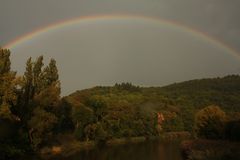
(229, 83)
(32, 113)
(199, 93)
(224, 92)
(124, 105)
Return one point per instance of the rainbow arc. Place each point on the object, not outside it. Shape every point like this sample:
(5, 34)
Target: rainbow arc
(97, 18)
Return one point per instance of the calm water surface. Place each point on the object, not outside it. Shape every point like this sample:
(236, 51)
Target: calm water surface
(151, 150)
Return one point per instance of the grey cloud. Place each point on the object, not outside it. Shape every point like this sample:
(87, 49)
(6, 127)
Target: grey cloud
(106, 54)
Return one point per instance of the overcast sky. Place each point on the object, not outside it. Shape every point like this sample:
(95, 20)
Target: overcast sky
(145, 53)
(219, 18)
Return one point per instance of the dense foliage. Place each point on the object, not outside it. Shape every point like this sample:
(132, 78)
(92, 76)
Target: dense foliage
(32, 113)
(28, 105)
(210, 122)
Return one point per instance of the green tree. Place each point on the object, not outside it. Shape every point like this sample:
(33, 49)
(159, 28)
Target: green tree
(173, 122)
(37, 74)
(41, 124)
(9, 137)
(210, 122)
(50, 74)
(7, 85)
(99, 106)
(38, 81)
(81, 116)
(32, 93)
(28, 81)
(5, 63)
(63, 112)
(47, 97)
(95, 132)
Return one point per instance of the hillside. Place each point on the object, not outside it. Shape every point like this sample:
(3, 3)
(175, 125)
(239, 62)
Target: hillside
(224, 92)
(34, 116)
(178, 102)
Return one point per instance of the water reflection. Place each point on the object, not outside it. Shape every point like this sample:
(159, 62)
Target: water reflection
(151, 150)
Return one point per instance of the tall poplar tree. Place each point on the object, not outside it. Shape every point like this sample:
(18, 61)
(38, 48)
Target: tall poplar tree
(46, 100)
(9, 137)
(7, 77)
(37, 74)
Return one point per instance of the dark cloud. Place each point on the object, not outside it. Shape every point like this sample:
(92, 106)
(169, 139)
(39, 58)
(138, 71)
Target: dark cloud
(110, 56)
(219, 18)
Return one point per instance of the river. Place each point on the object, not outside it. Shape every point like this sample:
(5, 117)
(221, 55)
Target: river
(149, 150)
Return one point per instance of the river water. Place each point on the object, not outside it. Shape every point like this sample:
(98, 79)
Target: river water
(149, 150)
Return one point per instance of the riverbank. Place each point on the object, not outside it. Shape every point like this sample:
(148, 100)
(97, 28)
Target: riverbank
(176, 136)
(202, 149)
(68, 145)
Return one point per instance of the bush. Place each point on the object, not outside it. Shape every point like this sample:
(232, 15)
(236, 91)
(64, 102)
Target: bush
(210, 122)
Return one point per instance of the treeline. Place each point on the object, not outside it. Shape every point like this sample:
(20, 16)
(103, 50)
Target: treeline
(103, 113)
(29, 106)
(32, 113)
(179, 103)
(224, 92)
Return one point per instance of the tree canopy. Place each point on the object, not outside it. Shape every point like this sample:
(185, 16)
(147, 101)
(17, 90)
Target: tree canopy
(33, 113)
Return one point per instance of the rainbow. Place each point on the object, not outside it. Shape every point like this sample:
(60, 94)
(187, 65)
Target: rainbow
(92, 18)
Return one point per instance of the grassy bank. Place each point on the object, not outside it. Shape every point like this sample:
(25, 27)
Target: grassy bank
(176, 136)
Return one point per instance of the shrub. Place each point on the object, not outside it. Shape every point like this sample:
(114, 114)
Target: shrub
(210, 122)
